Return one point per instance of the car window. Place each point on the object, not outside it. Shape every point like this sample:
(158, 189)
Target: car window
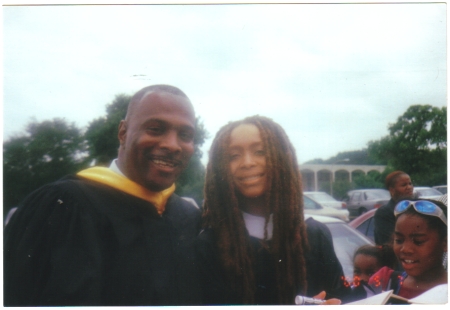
(355, 197)
(372, 195)
(429, 192)
(367, 228)
(442, 189)
(308, 203)
(321, 197)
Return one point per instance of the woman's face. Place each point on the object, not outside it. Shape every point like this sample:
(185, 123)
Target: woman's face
(402, 188)
(247, 161)
(418, 247)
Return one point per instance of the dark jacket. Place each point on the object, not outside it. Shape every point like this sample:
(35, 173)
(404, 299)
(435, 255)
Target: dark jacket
(324, 272)
(384, 221)
(79, 242)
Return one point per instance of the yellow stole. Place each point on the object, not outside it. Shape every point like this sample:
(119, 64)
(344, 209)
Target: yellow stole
(107, 176)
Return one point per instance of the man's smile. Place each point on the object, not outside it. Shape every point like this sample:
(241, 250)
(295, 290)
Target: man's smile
(164, 161)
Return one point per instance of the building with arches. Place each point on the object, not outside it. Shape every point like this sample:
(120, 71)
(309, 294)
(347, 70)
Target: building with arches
(314, 175)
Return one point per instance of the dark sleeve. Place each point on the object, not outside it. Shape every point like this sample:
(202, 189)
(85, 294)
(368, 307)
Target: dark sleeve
(324, 271)
(384, 224)
(51, 252)
(215, 290)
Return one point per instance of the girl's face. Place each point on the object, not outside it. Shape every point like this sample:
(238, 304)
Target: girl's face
(402, 188)
(247, 161)
(418, 247)
(364, 266)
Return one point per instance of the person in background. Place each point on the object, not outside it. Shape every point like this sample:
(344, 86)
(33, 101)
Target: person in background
(420, 244)
(115, 236)
(367, 260)
(399, 185)
(256, 248)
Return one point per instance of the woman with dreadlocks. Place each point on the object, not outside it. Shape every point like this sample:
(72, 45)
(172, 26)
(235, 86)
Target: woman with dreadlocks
(256, 247)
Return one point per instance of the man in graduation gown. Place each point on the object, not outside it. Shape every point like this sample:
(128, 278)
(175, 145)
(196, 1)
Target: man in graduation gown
(113, 236)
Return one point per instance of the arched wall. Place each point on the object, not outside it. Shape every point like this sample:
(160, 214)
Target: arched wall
(313, 174)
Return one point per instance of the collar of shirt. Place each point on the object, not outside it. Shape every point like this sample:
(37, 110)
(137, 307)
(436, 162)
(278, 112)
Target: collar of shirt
(255, 225)
(113, 177)
(113, 166)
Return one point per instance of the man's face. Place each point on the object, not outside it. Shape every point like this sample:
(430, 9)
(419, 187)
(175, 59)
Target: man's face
(157, 140)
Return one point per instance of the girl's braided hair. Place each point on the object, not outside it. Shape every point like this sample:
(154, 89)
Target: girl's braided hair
(284, 199)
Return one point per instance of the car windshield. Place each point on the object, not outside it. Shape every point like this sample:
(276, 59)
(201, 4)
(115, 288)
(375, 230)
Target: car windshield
(346, 241)
(308, 204)
(372, 195)
(320, 197)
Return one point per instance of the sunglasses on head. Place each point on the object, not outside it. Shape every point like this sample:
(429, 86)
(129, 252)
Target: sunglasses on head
(421, 206)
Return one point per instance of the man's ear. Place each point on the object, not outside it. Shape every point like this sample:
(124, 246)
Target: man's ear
(122, 132)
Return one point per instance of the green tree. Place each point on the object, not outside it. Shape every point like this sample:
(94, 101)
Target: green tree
(371, 180)
(417, 144)
(46, 152)
(101, 134)
(191, 181)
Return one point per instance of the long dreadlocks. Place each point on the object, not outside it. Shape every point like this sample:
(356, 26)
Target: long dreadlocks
(284, 200)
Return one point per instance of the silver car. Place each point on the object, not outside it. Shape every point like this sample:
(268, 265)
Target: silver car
(326, 200)
(427, 192)
(360, 201)
(314, 208)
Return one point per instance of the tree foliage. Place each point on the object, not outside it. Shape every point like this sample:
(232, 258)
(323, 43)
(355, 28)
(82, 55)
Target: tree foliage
(373, 179)
(101, 134)
(416, 144)
(47, 151)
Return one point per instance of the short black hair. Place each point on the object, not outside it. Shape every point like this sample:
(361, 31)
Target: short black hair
(384, 254)
(158, 87)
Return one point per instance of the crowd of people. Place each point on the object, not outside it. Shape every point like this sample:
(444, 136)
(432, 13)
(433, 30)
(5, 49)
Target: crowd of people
(120, 236)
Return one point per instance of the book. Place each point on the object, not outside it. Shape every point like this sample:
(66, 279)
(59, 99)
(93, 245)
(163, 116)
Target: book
(434, 296)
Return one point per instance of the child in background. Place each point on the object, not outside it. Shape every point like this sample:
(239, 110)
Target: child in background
(367, 260)
(420, 244)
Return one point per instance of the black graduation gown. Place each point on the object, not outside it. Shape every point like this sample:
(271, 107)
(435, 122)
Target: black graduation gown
(79, 242)
(324, 271)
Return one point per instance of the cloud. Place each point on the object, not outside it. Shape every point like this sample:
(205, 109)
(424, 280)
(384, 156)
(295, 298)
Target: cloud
(334, 76)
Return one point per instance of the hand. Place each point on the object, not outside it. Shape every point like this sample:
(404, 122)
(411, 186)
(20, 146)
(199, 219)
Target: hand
(332, 301)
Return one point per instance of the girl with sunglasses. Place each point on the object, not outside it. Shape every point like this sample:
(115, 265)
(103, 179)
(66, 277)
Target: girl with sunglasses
(420, 244)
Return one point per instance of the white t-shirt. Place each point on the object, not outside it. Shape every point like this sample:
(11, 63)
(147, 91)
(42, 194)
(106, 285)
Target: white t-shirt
(255, 225)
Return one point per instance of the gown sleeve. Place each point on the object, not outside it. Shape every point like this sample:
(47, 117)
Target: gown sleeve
(215, 290)
(52, 251)
(324, 271)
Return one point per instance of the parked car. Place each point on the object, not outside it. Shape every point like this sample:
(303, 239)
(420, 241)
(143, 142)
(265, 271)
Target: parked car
(346, 241)
(314, 208)
(326, 200)
(360, 201)
(441, 188)
(427, 192)
(365, 224)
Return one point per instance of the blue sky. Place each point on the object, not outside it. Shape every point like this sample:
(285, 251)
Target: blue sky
(333, 75)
